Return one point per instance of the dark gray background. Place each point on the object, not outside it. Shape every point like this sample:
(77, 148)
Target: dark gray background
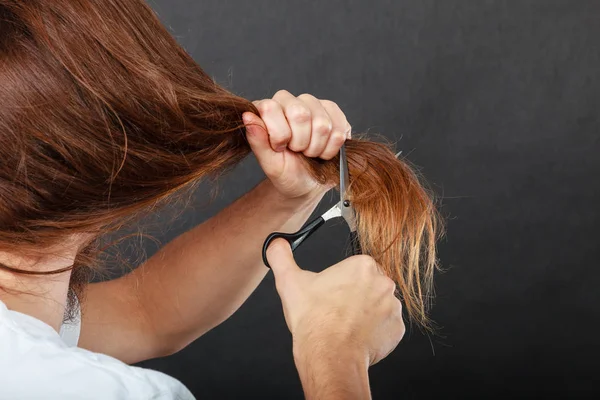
(497, 102)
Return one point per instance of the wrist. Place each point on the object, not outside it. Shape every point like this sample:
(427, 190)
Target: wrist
(314, 349)
(293, 204)
(332, 373)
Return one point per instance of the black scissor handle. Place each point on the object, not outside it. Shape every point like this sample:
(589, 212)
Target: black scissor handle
(294, 239)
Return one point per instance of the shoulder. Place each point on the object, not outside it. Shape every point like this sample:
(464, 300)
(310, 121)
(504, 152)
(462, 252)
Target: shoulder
(36, 363)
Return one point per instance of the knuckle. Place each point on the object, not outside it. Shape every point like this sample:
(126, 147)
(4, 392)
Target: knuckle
(322, 126)
(307, 96)
(328, 103)
(401, 329)
(388, 285)
(281, 136)
(373, 265)
(396, 317)
(398, 306)
(268, 105)
(298, 112)
(338, 138)
(365, 262)
(363, 259)
(281, 92)
(310, 153)
(297, 146)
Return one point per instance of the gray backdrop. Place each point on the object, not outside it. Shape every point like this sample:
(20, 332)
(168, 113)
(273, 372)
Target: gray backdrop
(497, 102)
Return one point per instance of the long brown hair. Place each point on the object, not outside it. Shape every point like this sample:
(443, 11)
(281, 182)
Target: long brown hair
(103, 116)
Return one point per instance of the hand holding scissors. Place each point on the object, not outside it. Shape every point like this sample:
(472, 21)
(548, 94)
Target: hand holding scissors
(342, 209)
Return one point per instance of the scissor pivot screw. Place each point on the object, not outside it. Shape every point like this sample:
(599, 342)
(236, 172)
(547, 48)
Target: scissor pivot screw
(346, 203)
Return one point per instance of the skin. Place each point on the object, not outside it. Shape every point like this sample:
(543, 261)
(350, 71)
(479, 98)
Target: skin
(342, 320)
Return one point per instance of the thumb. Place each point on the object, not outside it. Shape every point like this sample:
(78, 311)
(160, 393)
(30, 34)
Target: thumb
(258, 139)
(281, 260)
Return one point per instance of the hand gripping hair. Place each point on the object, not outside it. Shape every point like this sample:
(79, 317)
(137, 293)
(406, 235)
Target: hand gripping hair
(103, 116)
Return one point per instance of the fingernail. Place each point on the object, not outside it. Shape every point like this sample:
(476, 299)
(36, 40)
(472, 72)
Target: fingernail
(245, 118)
(280, 148)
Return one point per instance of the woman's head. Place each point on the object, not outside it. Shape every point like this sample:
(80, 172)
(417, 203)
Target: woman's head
(103, 116)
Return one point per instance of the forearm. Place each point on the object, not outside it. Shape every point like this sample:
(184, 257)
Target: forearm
(202, 277)
(332, 375)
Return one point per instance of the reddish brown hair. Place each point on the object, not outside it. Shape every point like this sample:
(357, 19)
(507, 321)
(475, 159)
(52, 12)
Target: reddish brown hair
(104, 116)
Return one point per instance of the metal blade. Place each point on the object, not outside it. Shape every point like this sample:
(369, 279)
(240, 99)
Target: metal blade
(345, 206)
(344, 175)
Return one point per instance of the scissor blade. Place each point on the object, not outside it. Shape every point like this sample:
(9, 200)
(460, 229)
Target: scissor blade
(344, 174)
(345, 206)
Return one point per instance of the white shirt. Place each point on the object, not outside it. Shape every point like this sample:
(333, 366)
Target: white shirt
(36, 362)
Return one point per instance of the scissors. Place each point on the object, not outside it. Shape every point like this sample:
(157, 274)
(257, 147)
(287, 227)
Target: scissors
(342, 209)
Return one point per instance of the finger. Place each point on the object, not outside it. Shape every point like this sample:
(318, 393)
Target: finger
(278, 128)
(281, 260)
(338, 118)
(336, 141)
(256, 132)
(299, 118)
(258, 139)
(321, 126)
(340, 132)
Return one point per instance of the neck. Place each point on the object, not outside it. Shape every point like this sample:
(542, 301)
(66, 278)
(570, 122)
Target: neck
(41, 296)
